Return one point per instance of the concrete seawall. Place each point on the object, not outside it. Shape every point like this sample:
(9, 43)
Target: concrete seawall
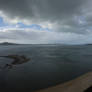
(79, 84)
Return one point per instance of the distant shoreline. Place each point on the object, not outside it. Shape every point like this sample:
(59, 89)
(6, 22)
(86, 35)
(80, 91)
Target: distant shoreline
(11, 43)
(7, 43)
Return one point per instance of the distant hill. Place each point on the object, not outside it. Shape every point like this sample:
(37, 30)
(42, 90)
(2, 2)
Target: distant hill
(7, 43)
(88, 44)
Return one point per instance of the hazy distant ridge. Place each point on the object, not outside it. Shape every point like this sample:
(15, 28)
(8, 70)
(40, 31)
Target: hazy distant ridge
(8, 43)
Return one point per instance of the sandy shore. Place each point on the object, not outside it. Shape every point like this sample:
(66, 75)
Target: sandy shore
(77, 85)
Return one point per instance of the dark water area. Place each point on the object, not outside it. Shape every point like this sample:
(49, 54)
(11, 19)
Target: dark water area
(49, 65)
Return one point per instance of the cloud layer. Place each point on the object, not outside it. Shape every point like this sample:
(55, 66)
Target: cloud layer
(43, 37)
(65, 18)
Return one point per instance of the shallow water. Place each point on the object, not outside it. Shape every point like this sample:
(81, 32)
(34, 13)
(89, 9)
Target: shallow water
(49, 65)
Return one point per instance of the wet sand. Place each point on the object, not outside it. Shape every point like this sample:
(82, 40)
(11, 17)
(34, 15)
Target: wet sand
(79, 84)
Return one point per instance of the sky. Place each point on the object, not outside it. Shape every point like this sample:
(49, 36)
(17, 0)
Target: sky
(46, 21)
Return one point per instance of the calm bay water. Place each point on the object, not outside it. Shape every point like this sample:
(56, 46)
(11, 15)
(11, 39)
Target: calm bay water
(49, 65)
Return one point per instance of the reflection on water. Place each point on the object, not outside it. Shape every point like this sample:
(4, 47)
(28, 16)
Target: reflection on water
(50, 65)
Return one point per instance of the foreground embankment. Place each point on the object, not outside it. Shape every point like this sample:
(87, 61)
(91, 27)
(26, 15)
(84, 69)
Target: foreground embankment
(79, 84)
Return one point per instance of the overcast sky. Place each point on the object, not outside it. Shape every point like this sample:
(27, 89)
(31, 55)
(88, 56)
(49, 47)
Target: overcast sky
(46, 21)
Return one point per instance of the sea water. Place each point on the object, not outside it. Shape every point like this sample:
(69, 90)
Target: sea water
(49, 65)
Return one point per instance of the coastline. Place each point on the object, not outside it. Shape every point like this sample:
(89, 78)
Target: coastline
(79, 84)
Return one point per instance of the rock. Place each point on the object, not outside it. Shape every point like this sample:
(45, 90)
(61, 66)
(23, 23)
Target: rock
(17, 59)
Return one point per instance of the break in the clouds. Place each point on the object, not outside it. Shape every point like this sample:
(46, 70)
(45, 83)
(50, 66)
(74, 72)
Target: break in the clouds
(46, 21)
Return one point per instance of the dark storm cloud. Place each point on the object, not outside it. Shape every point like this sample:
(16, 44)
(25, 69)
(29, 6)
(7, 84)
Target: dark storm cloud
(42, 10)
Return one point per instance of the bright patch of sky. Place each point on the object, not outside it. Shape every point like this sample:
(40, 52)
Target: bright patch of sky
(20, 25)
(2, 24)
